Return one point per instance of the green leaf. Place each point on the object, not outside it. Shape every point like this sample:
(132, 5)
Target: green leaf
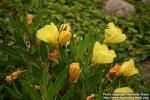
(88, 40)
(54, 88)
(13, 93)
(10, 51)
(20, 27)
(19, 40)
(44, 83)
(36, 22)
(43, 51)
(30, 89)
(63, 54)
(69, 94)
(18, 54)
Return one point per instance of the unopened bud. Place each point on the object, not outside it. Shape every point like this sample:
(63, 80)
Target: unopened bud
(8, 79)
(53, 55)
(64, 37)
(90, 97)
(29, 19)
(37, 87)
(74, 72)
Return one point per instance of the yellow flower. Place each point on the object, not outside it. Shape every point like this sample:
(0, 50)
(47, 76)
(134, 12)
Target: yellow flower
(113, 34)
(102, 55)
(128, 69)
(74, 72)
(123, 90)
(49, 34)
(122, 94)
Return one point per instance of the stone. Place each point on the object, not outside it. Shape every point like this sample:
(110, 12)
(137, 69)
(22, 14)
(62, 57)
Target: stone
(118, 7)
(146, 1)
(146, 69)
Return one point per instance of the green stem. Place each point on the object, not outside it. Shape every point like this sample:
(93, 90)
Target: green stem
(83, 87)
(15, 88)
(100, 91)
(112, 81)
(119, 83)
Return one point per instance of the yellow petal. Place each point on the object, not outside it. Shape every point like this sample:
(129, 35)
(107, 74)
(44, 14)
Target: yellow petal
(123, 90)
(113, 34)
(102, 55)
(49, 34)
(122, 94)
(65, 27)
(128, 68)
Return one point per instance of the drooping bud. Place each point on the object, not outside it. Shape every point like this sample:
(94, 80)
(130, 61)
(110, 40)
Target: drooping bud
(37, 87)
(90, 97)
(29, 19)
(8, 79)
(53, 56)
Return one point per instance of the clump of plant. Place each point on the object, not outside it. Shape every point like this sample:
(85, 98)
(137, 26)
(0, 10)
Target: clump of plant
(51, 63)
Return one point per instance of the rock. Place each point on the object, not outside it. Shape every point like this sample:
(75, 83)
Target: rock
(146, 69)
(118, 7)
(146, 1)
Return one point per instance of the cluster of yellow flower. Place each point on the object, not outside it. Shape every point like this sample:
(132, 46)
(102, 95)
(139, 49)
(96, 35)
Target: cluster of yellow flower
(101, 53)
(51, 35)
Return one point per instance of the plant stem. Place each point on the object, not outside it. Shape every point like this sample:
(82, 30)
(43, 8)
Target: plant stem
(16, 88)
(100, 91)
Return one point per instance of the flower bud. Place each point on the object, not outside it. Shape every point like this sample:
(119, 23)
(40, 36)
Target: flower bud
(90, 97)
(64, 37)
(37, 87)
(74, 71)
(115, 69)
(53, 55)
(29, 19)
(16, 74)
(65, 27)
(8, 79)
